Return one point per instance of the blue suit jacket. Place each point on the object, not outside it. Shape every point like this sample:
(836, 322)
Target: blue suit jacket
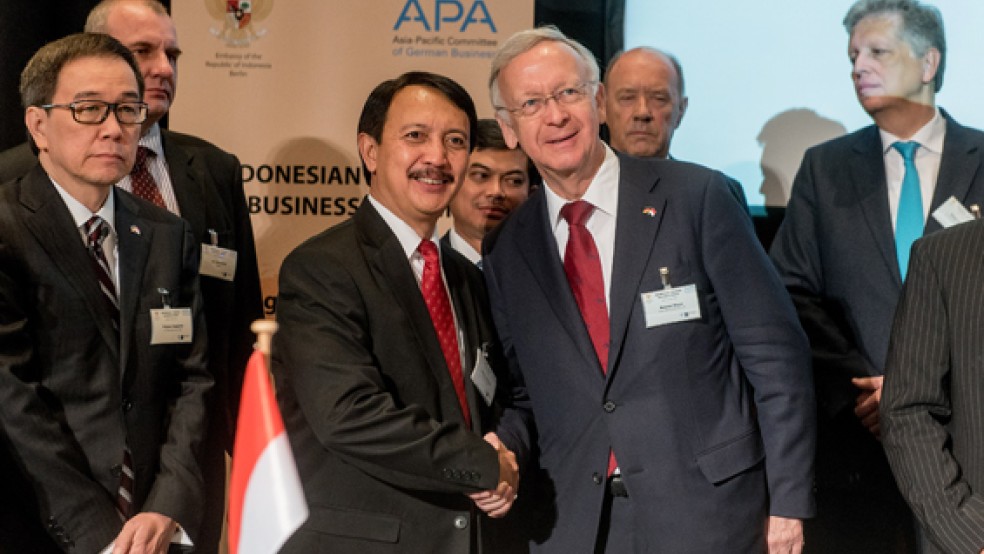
(836, 249)
(711, 420)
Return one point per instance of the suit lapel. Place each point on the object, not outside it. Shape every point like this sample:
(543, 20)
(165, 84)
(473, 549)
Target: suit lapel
(867, 175)
(186, 182)
(49, 220)
(463, 302)
(135, 236)
(959, 165)
(635, 237)
(535, 241)
(385, 255)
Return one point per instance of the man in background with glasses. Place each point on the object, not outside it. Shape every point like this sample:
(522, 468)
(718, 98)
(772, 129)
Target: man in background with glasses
(102, 344)
(650, 337)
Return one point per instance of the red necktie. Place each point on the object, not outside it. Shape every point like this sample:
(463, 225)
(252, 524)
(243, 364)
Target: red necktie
(439, 306)
(142, 181)
(582, 264)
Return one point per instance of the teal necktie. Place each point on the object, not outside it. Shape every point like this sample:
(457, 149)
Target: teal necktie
(909, 219)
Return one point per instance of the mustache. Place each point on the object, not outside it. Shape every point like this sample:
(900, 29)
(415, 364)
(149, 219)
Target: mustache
(431, 173)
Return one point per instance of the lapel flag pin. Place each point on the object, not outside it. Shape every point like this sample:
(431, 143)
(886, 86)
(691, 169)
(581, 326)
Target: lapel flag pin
(134, 229)
(650, 211)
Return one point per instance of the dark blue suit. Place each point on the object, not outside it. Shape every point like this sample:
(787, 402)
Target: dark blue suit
(836, 254)
(711, 420)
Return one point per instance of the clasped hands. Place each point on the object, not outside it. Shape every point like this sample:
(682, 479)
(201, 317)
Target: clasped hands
(497, 502)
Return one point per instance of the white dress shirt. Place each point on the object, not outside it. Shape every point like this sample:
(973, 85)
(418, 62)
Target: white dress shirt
(602, 193)
(928, 157)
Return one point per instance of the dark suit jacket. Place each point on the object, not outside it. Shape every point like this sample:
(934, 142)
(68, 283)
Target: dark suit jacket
(377, 432)
(208, 186)
(835, 251)
(711, 420)
(933, 423)
(209, 189)
(73, 393)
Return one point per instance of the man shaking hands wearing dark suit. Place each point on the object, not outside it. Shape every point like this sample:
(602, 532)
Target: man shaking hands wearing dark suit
(651, 338)
(384, 360)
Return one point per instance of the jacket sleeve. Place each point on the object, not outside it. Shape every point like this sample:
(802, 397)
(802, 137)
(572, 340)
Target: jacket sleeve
(796, 254)
(324, 353)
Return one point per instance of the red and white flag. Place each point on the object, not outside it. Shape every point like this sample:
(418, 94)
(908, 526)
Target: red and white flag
(266, 502)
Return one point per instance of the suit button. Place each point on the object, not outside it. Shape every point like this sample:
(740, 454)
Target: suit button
(609, 406)
(127, 404)
(596, 477)
(447, 473)
(460, 522)
(116, 470)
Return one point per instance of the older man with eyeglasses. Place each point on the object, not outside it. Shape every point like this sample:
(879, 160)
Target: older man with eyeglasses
(102, 340)
(652, 343)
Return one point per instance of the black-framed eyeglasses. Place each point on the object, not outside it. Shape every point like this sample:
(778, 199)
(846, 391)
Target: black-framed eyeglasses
(94, 112)
(568, 95)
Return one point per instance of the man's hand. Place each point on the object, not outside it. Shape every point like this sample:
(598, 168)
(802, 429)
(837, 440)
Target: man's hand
(784, 535)
(497, 502)
(145, 533)
(866, 405)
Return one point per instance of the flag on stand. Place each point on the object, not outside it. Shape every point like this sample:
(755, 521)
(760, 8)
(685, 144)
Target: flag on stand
(266, 502)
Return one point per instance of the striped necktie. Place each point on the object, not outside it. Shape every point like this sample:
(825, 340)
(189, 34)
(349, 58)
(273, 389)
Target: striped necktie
(96, 230)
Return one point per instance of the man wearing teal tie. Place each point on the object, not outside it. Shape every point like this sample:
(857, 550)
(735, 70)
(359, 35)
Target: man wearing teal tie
(858, 203)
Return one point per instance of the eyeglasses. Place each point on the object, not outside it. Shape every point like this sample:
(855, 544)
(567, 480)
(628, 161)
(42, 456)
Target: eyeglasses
(94, 112)
(569, 95)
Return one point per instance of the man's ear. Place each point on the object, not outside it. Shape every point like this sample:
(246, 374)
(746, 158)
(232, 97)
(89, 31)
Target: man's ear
(600, 102)
(368, 149)
(930, 65)
(36, 121)
(508, 134)
(684, 102)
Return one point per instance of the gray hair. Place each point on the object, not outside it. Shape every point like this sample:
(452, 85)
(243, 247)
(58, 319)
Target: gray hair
(99, 15)
(524, 41)
(921, 26)
(681, 89)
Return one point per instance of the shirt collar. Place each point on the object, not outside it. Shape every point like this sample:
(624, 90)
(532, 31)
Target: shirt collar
(463, 247)
(602, 192)
(153, 141)
(82, 214)
(409, 239)
(929, 136)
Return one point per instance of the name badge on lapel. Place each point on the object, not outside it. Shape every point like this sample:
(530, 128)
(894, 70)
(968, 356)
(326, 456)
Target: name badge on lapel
(482, 376)
(170, 325)
(670, 305)
(216, 261)
(951, 213)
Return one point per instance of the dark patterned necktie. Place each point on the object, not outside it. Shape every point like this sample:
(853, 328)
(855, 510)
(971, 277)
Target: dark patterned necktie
(436, 297)
(142, 182)
(96, 230)
(582, 265)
